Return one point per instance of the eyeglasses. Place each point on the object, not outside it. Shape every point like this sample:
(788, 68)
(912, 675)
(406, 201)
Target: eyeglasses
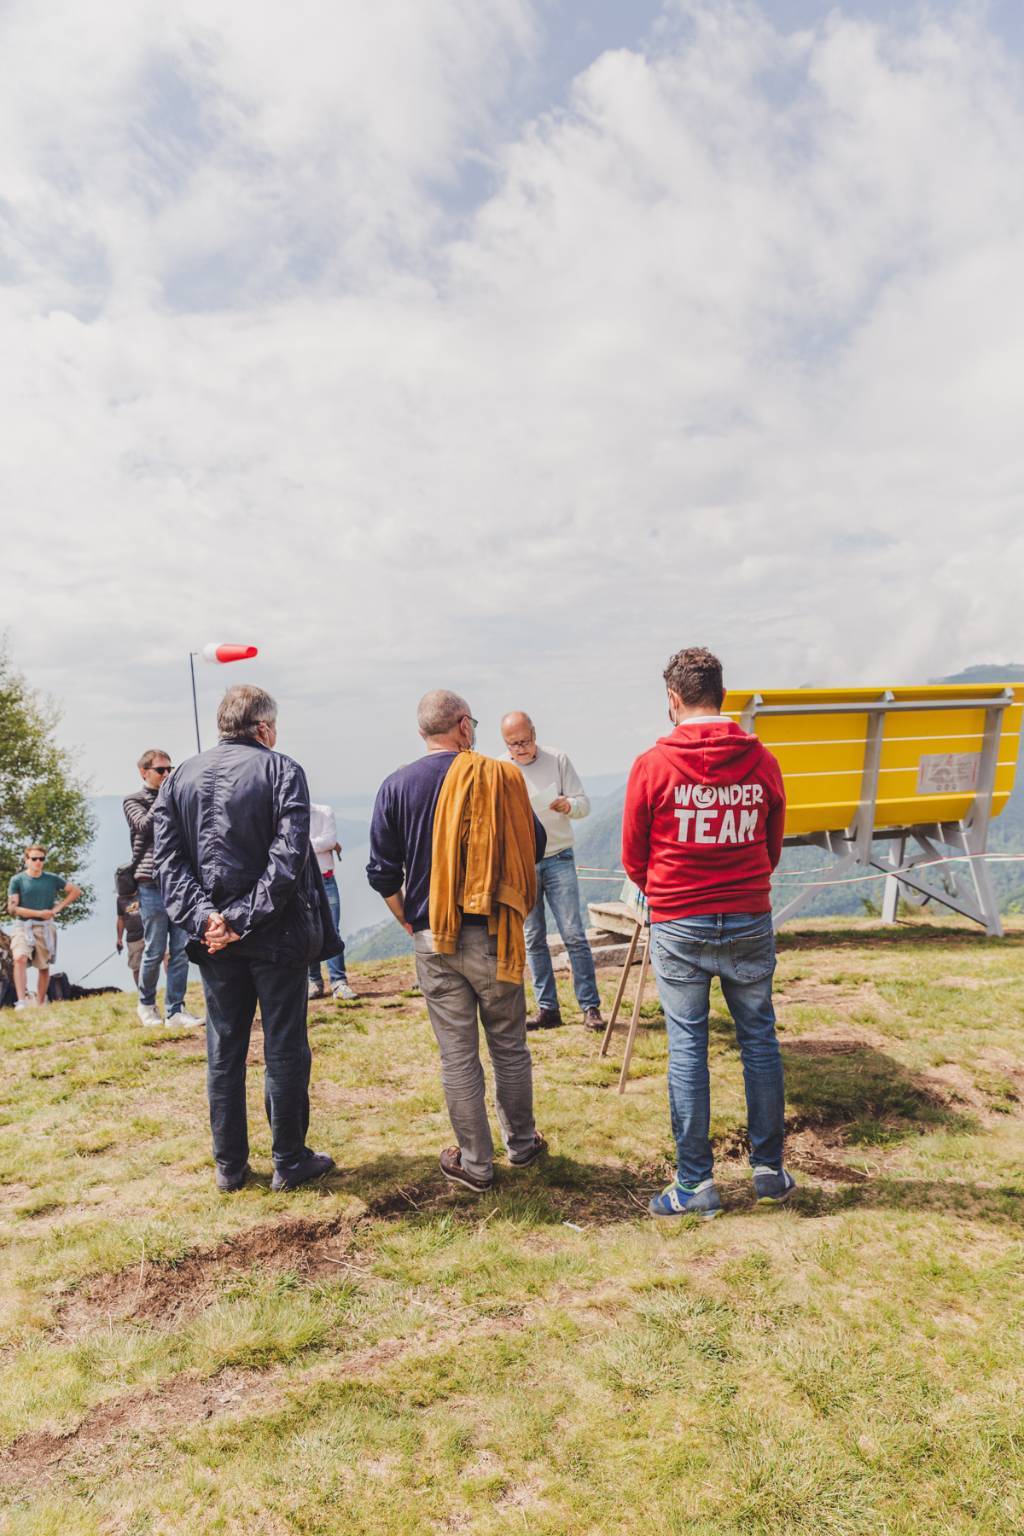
(526, 741)
(37, 858)
(473, 723)
(167, 768)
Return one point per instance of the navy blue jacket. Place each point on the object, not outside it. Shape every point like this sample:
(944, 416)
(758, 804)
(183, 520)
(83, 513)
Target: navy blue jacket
(231, 835)
(402, 834)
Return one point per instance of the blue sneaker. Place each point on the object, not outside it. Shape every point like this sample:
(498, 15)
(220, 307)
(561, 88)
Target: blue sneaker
(773, 1185)
(678, 1200)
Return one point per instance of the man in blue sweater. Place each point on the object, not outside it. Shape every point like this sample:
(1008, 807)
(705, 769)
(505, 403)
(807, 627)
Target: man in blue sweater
(458, 987)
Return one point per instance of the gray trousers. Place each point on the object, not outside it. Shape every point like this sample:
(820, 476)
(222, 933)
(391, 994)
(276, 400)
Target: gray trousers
(456, 987)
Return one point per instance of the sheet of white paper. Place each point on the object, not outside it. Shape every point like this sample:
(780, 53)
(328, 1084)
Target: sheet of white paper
(541, 799)
(541, 802)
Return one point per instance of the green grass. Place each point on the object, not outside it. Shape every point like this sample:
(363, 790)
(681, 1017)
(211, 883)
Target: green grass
(383, 1355)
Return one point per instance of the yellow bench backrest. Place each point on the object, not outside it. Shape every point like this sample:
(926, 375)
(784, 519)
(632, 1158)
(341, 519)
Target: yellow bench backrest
(928, 757)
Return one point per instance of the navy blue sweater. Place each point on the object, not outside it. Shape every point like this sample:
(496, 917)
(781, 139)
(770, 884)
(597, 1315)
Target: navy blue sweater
(402, 832)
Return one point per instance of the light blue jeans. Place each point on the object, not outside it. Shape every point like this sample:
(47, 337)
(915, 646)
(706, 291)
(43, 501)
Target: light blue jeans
(336, 964)
(739, 948)
(162, 937)
(556, 880)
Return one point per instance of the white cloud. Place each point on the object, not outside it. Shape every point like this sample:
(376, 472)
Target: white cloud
(729, 355)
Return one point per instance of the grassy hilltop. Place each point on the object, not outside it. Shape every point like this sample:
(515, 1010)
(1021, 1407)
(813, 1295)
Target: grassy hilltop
(383, 1355)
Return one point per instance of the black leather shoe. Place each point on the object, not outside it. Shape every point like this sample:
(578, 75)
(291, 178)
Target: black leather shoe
(313, 1166)
(228, 1180)
(592, 1019)
(547, 1018)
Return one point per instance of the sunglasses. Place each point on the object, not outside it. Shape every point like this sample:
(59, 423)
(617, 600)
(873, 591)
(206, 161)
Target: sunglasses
(37, 858)
(167, 768)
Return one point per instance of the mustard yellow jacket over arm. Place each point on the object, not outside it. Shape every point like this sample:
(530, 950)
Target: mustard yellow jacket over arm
(483, 857)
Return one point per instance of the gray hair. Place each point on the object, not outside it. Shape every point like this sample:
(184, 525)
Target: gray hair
(242, 709)
(439, 712)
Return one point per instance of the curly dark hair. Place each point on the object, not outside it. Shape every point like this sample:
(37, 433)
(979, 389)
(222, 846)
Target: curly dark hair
(696, 675)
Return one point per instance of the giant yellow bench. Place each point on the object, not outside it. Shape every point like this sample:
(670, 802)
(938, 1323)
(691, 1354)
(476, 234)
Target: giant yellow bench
(922, 769)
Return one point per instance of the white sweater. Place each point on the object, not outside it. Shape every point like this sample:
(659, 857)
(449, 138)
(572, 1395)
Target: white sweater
(323, 834)
(549, 776)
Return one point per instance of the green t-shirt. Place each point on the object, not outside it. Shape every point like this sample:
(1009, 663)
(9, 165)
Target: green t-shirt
(37, 892)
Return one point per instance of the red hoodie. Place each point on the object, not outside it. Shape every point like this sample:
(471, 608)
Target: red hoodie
(703, 819)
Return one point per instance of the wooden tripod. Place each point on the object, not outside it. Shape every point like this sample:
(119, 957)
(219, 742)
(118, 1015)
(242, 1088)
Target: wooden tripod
(641, 937)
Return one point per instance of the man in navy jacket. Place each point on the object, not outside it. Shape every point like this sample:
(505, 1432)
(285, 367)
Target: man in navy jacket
(232, 855)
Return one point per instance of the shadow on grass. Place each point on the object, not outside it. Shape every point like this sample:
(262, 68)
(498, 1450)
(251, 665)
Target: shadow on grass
(564, 1189)
(874, 1099)
(553, 1191)
(844, 1084)
(901, 935)
(998, 1205)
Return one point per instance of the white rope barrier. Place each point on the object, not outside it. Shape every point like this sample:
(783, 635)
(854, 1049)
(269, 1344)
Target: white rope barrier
(593, 872)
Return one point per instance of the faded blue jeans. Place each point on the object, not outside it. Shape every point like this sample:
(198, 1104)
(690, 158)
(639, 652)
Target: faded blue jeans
(336, 964)
(738, 948)
(162, 937)
(556, 880)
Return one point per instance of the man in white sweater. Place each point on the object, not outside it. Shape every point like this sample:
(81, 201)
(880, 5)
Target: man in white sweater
(558, 799)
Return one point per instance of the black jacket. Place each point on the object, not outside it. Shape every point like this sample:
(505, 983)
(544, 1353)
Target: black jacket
(138, 812)
(231, 835)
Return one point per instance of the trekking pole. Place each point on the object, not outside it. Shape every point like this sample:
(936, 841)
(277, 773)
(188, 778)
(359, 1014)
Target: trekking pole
(96, 967)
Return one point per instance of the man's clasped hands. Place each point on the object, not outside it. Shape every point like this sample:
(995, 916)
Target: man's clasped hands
(218, 935)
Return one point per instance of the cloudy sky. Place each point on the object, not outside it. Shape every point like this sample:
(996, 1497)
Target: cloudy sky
(506, 347)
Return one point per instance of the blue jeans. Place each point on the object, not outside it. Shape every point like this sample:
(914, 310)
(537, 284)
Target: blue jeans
(739, 948)
(336, 964)
(161, 937)
(556, 880)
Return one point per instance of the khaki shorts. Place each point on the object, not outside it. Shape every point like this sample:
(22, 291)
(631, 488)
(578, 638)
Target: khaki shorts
(29, 943)
(135, 948)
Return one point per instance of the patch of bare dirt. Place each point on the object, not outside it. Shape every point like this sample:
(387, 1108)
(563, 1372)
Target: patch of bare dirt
(44, 1456)
(976, 983)
(192, 1044)
(404, 1199)
(15, 1192)
(825, 1045)
(185, 1400)
(954, 1085)
(813, 1150)
(815, 993)
(377, 984)
(161, 1292)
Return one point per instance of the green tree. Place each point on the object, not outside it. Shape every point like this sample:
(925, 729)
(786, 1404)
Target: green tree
(42, 799)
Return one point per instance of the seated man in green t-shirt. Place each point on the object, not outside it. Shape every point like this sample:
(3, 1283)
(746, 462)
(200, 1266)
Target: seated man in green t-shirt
(34, 898)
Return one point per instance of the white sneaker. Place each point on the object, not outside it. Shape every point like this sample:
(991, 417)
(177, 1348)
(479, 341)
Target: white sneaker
(183, 1020)
(149, 1013)
(344, 991)
(22, 1002)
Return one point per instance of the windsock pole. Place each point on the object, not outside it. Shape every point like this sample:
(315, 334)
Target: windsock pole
(195, 703)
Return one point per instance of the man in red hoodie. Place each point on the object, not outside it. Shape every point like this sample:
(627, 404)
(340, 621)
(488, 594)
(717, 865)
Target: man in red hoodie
(701, 833)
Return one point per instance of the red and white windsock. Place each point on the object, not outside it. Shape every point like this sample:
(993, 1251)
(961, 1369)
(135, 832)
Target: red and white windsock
(225, 653)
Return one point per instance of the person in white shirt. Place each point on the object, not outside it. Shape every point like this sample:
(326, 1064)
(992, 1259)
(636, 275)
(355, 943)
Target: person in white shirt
(558, 799)
(323, 835)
